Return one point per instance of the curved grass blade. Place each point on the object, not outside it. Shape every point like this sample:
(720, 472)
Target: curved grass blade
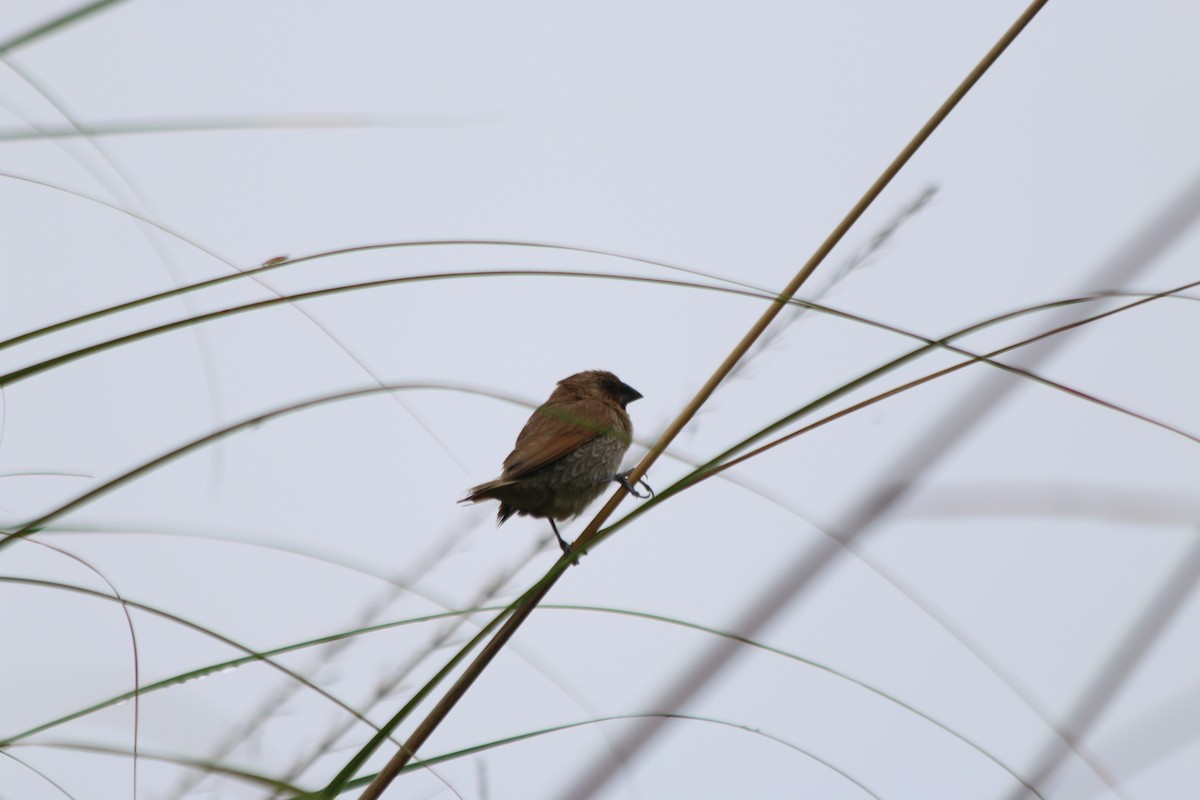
(469, 751)
(47, 28)
(990, 359)
(178, 620)
(46, 474)
(276, 264)
(62, 790)
(111, 484)
(253, 778)
(261, 123)
(133, 646)
(729, 635)
(220, 666)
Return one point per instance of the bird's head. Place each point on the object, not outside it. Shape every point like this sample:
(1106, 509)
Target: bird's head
(602, 384)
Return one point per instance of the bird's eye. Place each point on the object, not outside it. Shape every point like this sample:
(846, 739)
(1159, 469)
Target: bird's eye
(608, 385)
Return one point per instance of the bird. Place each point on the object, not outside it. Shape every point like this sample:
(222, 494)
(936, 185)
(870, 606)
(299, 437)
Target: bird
(570, 448)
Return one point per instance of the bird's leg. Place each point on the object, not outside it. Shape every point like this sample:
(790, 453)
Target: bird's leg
(623, 479)
(566, 548)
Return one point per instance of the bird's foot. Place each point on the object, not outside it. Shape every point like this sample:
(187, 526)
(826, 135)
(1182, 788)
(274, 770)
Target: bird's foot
(623, 479)
(568, 551)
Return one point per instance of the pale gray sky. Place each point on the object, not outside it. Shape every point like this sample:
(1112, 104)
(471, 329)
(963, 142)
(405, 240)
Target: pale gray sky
(724, 138)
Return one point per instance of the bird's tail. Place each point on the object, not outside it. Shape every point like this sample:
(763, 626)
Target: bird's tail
(492, 490)
(486, 491)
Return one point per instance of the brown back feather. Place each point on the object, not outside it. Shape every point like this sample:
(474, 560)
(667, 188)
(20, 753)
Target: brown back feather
(559, 427)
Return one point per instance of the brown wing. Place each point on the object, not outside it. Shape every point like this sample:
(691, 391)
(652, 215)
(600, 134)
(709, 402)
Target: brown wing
(556, 429)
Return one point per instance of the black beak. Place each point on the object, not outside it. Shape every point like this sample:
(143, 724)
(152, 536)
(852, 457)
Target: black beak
(628, 394)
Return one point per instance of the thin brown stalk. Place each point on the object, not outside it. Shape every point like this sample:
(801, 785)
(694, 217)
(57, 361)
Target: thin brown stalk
(522, 612)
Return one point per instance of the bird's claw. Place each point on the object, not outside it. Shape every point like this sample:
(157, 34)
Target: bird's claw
(568, 551)
(623, 479)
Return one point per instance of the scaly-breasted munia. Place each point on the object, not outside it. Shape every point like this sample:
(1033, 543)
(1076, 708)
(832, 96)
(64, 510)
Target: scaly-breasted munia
(568, 450)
